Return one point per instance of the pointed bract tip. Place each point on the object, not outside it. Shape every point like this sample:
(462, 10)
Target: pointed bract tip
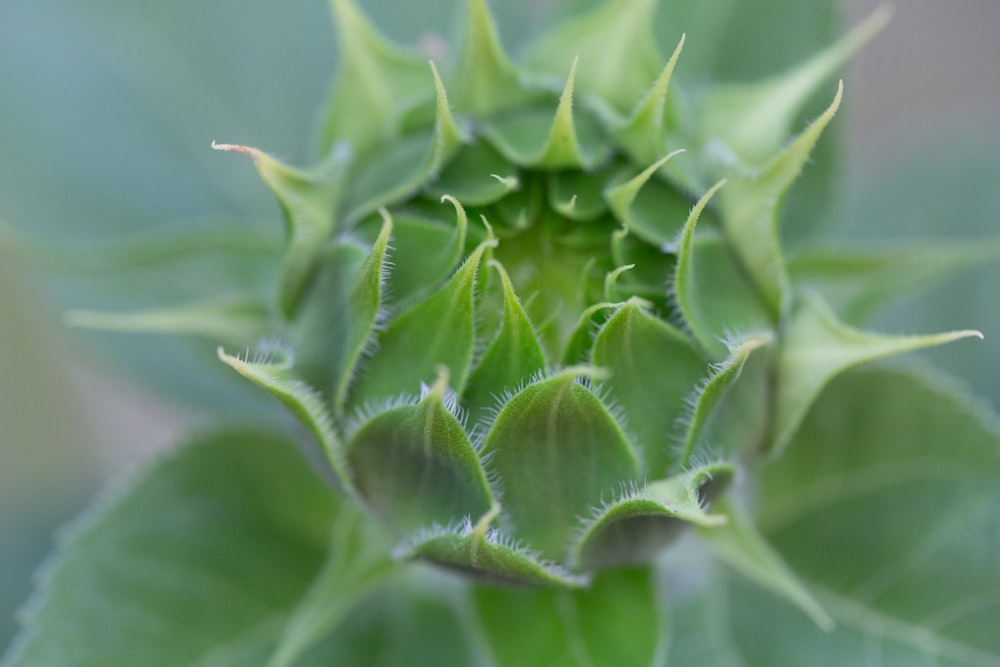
(698, 207)
(228, 359)
(583, 371)
(715, 188)
(488, 226)
(442, 94)
(744, 346)
(831, 111)
(237, 148)
(484, 522)
(345, 12)
(879, 18)
(459, 209)
(666, 158)
(440, 385)
(864, 31)
(638, 301)
(566, 208)
(386, 216)
(566, 97)
(621, 197)
(674, 57)
(512, 183)
(438, 83)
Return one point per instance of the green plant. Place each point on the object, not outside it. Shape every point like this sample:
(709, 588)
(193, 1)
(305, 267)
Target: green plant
(549, 450)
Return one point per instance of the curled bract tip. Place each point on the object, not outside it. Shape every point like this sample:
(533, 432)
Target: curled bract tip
(236, 148)
(385, 215)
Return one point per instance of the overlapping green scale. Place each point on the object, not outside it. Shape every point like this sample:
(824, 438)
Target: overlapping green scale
(635, 527)
(414, 464)
(531, 334)
(652, 368)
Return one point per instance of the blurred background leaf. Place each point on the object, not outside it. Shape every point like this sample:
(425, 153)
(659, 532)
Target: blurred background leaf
(945, 190)
(47, 462)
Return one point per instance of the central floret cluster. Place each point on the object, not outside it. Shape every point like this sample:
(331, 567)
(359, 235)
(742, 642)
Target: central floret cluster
(533, 335)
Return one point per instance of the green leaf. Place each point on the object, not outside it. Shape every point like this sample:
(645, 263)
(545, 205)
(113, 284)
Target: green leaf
(857, 281)
(414, 621)
(202, 268)
(634, 528)
(376, 82)
(618, 54)
(514, 356)
(237, 321)
(439, 331)
(235, 252)
(816, 348)
(308, 200)
(711, 290)
(49, 467)
(617, 621)
(884, 505)
(653, 368)
(344, 311)
(487, 554)
(415, 466)
(738, 543)
(273, 370)
(749, 211)
(753, 121)
(650, 209)
(699, 625)
(487, 81)
(356, 562)
(556, 450)
(202, 557)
